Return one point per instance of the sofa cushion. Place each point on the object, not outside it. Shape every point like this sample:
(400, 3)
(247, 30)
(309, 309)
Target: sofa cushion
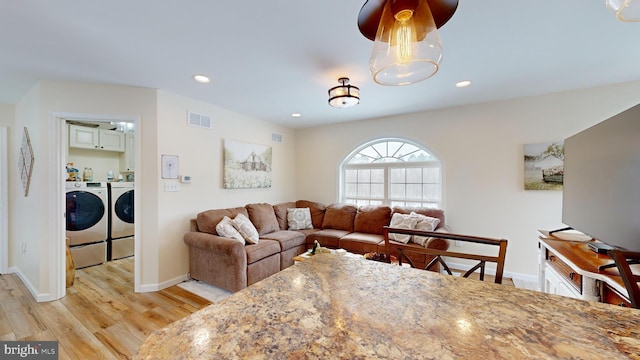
(281, 213)
(261, 250)
(339, 217)
(207, 220)
(326, 237)
(225, 228)
(287, 239)
(246, 229)
(362, 243)
(263, 217)
(317, 211)
(436, 213)
(299, 219)
(402, 221)
(371, 219)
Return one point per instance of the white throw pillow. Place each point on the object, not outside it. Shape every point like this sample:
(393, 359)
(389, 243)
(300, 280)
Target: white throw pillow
(425, 223)
(299, 218)
(402, 221)
(226, 229)
(246, 228)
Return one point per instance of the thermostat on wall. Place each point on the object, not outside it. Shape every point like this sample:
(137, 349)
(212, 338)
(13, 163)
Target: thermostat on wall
(185, 179)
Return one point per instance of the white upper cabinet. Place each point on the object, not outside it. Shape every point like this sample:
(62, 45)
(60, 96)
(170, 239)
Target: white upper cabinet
(127, 159)
(93, 138)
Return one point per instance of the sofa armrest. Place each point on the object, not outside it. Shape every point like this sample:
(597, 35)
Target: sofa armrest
(217, 260)
(439, 243)
(215, 243)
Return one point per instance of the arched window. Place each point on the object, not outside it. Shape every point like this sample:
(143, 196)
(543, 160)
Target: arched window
(393, 172)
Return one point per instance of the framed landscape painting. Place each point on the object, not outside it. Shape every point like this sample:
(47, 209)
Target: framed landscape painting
(246, 165)
(544, 166)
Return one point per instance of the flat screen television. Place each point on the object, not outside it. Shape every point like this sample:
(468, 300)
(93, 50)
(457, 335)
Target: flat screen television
(601, 190)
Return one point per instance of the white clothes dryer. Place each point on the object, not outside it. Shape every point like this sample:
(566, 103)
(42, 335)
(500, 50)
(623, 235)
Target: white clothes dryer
(87, 222)
(121, 219)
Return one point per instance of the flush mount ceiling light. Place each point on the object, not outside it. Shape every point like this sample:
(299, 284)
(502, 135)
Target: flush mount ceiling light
(407, 47)
(344, 95)
(625, 10)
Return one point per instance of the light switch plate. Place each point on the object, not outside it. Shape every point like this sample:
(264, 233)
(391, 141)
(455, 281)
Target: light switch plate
(171, 187)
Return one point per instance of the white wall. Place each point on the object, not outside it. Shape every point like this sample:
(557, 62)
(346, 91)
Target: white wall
(164, 216)
(200, 156)
(482, 149)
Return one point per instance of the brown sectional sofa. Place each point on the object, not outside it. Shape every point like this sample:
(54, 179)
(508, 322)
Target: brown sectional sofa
(231, 265)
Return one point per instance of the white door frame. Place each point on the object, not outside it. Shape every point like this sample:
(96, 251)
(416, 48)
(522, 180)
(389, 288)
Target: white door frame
(58, 160)
(4, 203)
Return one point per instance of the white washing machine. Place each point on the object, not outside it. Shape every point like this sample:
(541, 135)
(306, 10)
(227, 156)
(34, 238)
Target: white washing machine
(121, 217)
(87, 222)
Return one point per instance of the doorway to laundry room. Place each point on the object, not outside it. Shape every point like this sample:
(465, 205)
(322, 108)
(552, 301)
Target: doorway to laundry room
(99, 187)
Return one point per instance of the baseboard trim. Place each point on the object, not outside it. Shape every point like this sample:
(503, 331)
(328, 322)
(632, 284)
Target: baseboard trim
(164, 284)
(38, 296)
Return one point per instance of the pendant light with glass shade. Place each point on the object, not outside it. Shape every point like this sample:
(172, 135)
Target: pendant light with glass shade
(407, 47)
(625, 10)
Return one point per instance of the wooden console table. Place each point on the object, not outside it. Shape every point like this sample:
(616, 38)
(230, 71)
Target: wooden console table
(570, 268)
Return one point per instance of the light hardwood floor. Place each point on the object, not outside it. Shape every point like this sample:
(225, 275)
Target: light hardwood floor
(100, 318)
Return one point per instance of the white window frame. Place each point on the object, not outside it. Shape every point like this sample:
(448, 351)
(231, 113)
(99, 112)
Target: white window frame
(387, 166)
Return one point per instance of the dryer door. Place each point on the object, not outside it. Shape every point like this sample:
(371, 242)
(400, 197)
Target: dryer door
(84, 210)
(124, 207)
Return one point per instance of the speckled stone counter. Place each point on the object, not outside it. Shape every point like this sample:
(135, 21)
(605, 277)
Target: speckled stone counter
(337, 307)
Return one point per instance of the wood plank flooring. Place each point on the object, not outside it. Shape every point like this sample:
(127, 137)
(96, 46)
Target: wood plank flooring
(100, 318)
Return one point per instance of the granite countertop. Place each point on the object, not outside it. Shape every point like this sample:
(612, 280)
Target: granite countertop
(337, 307)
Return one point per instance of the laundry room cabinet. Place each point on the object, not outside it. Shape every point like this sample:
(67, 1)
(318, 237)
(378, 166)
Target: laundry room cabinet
(92, 138)
(127, 159)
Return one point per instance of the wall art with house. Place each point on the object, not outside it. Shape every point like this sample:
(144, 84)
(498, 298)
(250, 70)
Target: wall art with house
(246, 165)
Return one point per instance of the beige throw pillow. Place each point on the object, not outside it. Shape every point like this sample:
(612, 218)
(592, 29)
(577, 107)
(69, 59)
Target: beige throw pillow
(299, 218)
(246, 228)
(402, 221)
(425, 223)
(226, 229)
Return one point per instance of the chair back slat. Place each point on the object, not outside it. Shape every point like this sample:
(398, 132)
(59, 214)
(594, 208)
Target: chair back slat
(438, 254)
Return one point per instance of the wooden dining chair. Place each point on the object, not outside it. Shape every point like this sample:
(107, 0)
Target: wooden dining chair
(624, 260)
(439, 256)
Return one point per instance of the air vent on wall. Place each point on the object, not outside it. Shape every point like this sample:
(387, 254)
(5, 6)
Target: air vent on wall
(276, 137)
(199, 120)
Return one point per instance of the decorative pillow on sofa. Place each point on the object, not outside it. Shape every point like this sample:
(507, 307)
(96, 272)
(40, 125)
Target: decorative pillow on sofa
(246, 229)
(299, 218)
(226, 229)
(425, 223)
(402, 221)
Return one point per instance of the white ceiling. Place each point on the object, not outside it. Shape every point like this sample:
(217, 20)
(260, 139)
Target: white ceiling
(268, 59)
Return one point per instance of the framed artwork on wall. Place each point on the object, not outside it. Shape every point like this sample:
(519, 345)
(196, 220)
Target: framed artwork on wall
(246, 165)
(25, 161)
(544, 166)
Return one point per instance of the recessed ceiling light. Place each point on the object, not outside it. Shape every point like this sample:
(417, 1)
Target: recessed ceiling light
(463, 83)
(201, 79)
(296, 115)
